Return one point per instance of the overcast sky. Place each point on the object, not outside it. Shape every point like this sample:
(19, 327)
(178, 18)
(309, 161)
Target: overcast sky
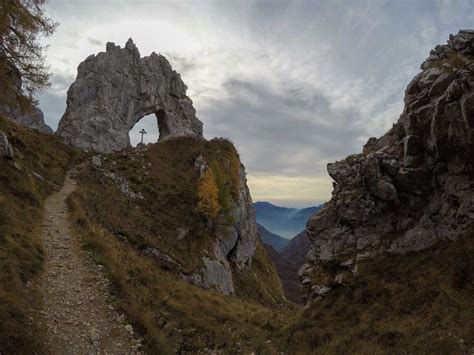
(295, 85)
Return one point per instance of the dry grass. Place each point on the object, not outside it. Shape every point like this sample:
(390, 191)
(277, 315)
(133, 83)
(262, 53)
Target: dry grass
(166, 176)
(419, 303)
(21, 203)
(260, 282)
(174, 315)
(170, 313)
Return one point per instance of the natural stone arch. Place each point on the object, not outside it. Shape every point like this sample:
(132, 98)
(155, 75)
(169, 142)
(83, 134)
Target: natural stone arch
(161, 121)
(116, 89)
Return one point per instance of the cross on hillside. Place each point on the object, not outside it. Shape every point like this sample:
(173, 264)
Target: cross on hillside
(142, 132)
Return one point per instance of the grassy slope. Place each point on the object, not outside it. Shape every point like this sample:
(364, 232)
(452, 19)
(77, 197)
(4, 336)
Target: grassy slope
(171, 313)
(419, 303)
(21, 202)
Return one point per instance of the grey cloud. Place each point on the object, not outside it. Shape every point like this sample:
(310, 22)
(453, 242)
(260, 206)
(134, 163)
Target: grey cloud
(53, 101)
(61, 82)
(282, 132)
(53, 106)
(182, 62)
(95, 42)
(293, 84)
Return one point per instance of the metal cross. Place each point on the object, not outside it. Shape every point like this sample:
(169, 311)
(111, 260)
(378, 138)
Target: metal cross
(142, 132)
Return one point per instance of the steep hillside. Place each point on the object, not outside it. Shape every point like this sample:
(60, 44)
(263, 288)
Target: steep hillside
(297, 248)
(417, 303)
(269, 238)
(39, 165)
(391, 257)
(139, 214)
(304, 214)
(288, 273)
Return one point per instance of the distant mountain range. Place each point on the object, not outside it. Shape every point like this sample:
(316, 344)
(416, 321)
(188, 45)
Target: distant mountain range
(283, 221)
(282, 231)
(287, 255)
(278, 243)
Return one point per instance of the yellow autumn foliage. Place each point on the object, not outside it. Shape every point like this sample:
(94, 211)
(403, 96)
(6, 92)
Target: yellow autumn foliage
(208, 194)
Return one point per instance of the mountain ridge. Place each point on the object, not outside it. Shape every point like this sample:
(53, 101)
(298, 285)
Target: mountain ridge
(283, 221)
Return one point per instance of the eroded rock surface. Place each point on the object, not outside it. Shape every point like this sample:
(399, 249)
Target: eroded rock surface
(6, 150)
(410, 188)
(114, 90)
(32, 117)
(235, 243)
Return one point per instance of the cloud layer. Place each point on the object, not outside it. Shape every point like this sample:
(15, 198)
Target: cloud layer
(294, 84)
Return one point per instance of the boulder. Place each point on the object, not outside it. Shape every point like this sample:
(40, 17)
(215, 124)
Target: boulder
(116, 89)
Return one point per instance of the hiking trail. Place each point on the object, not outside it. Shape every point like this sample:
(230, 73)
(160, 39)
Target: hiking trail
(76, 315)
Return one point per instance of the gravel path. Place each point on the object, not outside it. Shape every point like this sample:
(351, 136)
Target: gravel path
(76, 315)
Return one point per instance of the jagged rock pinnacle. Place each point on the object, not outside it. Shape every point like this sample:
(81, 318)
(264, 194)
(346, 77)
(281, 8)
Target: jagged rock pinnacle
(114, 90)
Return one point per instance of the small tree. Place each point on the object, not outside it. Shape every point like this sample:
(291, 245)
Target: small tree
(208, 194)
(22, 22)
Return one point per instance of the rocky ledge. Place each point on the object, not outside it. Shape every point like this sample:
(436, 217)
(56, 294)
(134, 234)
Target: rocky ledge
(410, 188)
(114, 90)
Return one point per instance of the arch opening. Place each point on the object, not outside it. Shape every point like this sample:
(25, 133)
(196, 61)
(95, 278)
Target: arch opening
(150, 124)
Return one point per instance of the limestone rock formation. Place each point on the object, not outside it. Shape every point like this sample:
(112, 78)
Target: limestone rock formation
(235, 243)
(410, 188)
(32, 117)
(114, 90)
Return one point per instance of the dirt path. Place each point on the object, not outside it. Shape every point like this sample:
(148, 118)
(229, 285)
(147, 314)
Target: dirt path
(76, 315)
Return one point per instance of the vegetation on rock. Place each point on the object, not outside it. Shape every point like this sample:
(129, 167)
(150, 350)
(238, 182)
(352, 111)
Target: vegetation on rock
(208, 194)
(417, 303)
(172, 314)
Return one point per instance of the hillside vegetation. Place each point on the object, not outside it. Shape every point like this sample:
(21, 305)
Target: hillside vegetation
(420, 303)
(172, 314)
(41, 163)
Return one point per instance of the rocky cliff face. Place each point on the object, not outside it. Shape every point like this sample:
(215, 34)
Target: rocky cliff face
(410, 188)
(32, 117)
(235, 242)
(114, 90)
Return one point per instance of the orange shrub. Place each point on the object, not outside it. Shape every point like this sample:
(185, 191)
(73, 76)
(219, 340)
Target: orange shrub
(208, 194)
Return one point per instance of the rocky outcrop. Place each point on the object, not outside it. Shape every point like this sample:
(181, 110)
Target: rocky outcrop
(33, 118)
(29, 117)
(235, 243)
(244, 227)
(114, 90)
(6, 151)
(410, 188)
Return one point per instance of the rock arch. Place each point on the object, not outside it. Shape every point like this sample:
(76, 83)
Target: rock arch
(116, 89)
